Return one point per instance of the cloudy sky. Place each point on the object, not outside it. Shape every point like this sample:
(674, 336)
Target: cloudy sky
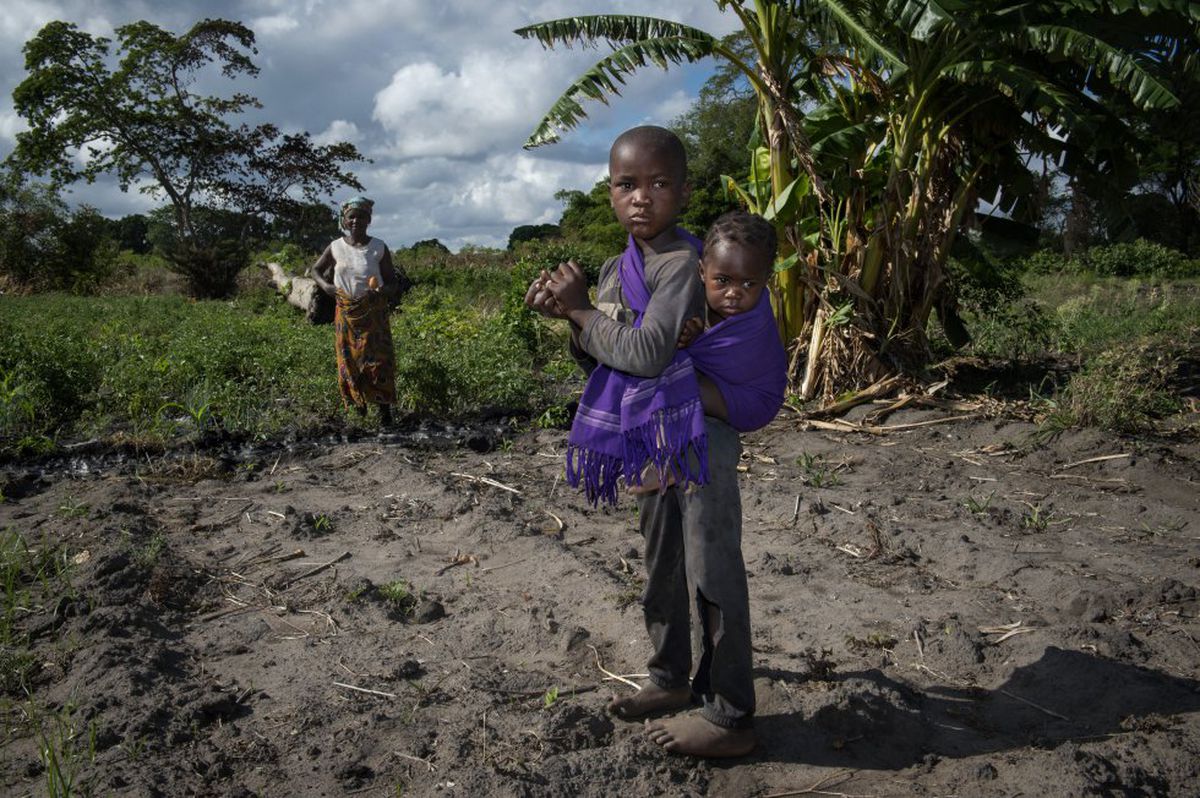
(440, 95)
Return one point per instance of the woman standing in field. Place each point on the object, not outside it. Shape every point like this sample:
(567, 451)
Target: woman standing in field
(356, 270)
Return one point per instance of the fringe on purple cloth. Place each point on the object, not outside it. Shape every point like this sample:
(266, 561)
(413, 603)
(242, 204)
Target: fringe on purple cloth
(597, 472)
(673, 441)
(667, 441)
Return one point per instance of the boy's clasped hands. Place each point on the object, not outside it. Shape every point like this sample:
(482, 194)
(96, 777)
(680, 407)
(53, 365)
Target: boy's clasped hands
(556, 294)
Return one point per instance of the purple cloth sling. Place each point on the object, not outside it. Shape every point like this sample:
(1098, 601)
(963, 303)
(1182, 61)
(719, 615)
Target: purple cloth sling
(745, 359)
(625, 421)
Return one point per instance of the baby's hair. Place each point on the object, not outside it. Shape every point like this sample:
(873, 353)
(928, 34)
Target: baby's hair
(656, 139)
(747, 229)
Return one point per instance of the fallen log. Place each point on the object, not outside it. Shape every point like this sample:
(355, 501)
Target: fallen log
(302, 293)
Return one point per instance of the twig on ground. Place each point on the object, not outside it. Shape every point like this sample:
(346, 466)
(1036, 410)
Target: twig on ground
(816, 787)
(841, 425)
(536, 693)
(1038, 707)
(486, 481)
(796, 510)
(424, 762)
(316, 570)
(295, 555)
(328, 619)
(224, 521)
(1096, 460)
(612, 675)
(457, 560)
(364, 690)
(851, 549)
(1005, 631)
(505, 565)
(212, 499)
(1081, 477)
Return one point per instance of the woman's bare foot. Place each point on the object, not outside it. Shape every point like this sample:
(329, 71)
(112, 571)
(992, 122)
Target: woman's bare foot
(650, 700)
(693, 735)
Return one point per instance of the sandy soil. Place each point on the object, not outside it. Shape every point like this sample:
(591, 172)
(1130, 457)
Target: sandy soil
(943, 610)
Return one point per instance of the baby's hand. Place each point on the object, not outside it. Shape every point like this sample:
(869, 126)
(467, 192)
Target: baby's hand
(691, 328)
(372, 283)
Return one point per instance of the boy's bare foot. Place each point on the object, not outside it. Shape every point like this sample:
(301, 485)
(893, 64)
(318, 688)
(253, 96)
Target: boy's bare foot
(693, 735)
(650, 700)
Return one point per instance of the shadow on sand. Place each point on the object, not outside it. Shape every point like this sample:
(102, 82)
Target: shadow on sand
(874, 722)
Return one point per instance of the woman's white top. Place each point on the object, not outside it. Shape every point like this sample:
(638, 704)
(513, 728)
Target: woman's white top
(355, 265)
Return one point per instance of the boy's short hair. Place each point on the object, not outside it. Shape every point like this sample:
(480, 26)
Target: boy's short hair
(658, 139)
(748, 229)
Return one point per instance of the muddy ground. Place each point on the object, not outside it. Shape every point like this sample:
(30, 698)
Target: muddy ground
(953, 609)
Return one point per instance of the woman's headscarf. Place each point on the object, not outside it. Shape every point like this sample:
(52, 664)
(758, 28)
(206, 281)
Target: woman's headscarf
(358, 202)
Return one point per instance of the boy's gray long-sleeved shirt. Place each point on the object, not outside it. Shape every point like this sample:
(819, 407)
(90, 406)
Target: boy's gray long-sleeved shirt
(676, 295)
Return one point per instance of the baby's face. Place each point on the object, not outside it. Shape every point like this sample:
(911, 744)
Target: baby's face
(734, 277)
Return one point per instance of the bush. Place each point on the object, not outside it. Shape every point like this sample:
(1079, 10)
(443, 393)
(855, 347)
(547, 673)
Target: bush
(1124, 389)
(1003, 322)
(1111, 312)
(1140, 258)
(43, 247)
(1046, 261)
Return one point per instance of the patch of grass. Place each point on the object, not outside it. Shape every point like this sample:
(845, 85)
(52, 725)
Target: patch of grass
(148, 554)
(30, 576)
(1126, 388)
(17, 667)
(633, 586)
(549, 698)
(72, 508)
(1038, 518)
(65, 743)
(977, 506)
(553, 417)
(816, 471)
(398, 595)
(875, 641)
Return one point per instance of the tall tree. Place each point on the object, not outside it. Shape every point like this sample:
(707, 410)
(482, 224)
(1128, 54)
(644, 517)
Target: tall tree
(142, 121)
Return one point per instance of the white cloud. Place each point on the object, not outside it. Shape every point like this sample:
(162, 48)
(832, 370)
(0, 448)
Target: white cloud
(461, 202)
(10, 125)
(273, 25)
(490, 100)
(339, 130)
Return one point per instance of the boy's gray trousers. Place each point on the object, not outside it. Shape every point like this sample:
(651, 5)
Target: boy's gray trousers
(694, 539)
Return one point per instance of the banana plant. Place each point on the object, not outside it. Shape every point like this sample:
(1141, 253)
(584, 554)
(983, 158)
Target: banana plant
(884, 123)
